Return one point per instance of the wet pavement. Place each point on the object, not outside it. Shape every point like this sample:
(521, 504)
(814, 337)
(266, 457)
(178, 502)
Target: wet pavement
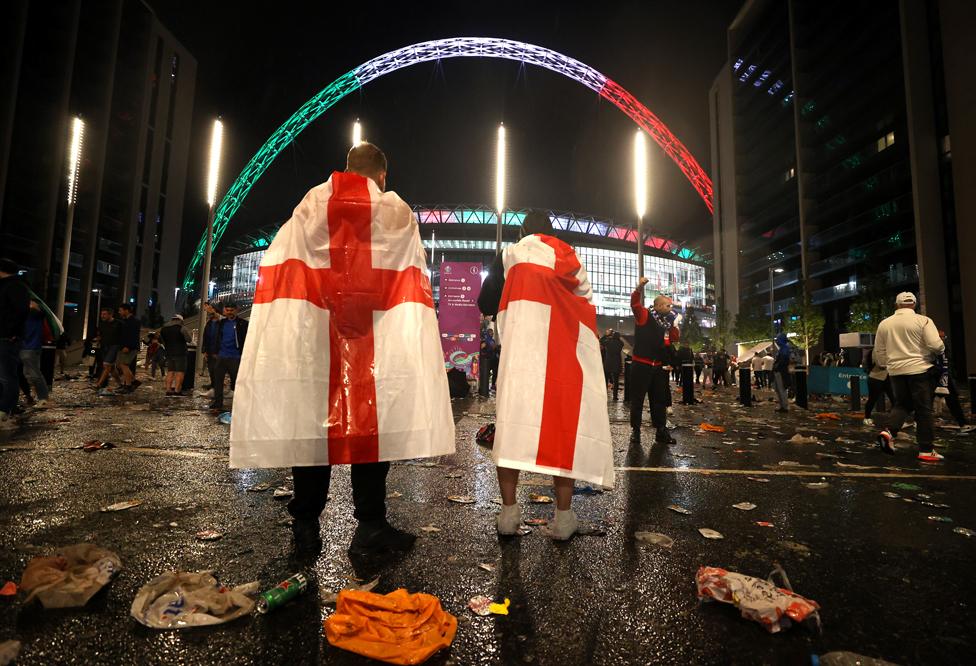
(891, 582)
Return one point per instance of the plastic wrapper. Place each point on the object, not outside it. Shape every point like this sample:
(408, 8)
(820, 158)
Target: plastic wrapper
(71, 577)
(8, 652)
(759, 600)
(178, 599)
(708, 427)
(398, 628)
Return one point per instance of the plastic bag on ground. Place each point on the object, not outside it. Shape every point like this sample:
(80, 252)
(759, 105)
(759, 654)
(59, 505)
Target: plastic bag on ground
(398, 628)
(71, 577)
(8, 652)
(178, 599)
(757, 599)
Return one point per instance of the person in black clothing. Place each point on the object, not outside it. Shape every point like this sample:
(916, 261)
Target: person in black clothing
(613, 350)
(720, 368)
(14, 308)
(210, 346)
(129, 345)
(653, 356)
(486, 362)
(175, 338)
(109, 336)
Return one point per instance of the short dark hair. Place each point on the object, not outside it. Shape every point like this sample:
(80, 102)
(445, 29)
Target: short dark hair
(536, 222)
(8, 266)
(106, 308)
(366, 160)
(128, 307)
(229, 304)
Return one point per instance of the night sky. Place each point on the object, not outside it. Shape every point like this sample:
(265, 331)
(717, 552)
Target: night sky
(568, 149)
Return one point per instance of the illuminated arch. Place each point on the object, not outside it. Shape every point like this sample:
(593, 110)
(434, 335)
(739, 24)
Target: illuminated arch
(457, 47)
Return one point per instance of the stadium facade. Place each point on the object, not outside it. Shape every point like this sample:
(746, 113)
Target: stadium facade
(608, 251)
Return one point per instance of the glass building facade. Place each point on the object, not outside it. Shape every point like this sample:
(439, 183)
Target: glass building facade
(830, 154)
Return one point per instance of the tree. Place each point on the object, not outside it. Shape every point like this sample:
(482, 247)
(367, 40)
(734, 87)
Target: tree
(724, 332)
(872, 305)
(805, 322)
(752, 323)
(691, 333)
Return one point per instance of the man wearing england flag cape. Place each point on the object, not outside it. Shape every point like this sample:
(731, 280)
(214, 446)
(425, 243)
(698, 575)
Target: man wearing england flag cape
(343, 363)
(551, 400)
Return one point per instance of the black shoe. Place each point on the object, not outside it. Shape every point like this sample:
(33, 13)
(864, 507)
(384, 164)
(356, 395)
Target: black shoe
(308, 537)
(662, 436)
(635, 436)
(135, 384)
(379, 536)
(214, 405)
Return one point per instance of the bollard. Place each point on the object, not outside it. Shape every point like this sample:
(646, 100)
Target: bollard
(972, 394)
(189, 377)
(855, 393)
(800, 382)
(745, 387)
(688, 383)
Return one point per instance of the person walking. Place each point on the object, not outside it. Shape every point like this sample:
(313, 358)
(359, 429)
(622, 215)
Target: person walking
(757, 370)
(486, 361)
(343, 363)
(552, 401)
(30, 354)
(878, 385)
(175, 339)
(613, 361)
(720, 368)
(109, 336)
(769, 361)
(654, 335)
(781, 371)
(946, 389)
(129, 344)
(906, 345)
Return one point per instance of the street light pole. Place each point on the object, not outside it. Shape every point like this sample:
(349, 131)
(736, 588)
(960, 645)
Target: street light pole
(640, 195)
(500, 186)
(98, 310)
(77, 137)
(772, 314)
(213, 172)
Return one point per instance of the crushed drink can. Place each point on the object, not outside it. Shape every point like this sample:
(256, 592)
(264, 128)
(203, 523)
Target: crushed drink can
(282, 593)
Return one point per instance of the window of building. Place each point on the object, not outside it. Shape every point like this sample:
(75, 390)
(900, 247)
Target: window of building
(106, 268)
(886, 141)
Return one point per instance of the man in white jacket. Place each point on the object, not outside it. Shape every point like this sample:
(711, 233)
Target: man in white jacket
(906, 345)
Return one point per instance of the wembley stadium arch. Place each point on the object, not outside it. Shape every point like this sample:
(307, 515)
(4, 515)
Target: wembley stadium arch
(456, 47)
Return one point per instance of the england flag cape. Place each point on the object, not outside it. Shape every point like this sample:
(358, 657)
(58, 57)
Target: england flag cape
(552, 397)
(342, 362)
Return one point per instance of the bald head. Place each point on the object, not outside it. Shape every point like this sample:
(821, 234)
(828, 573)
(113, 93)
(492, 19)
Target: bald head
(662, 303)
(367, 160)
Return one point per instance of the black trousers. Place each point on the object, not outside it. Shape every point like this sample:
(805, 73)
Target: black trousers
(650, 381)
(223, 367)
(952, 403)
(613, 377)
(914, 392)
(368, 491)
(877, 387)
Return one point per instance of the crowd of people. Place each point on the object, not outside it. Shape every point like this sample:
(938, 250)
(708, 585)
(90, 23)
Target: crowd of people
(385, 397)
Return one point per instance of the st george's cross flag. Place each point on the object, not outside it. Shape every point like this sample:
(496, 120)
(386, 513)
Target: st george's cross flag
(552, 397)
(343, 361)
